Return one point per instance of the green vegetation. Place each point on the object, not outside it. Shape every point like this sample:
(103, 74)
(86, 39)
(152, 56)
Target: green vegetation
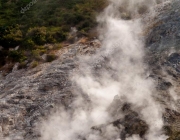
(50, 57)
(46, 22)
(34, 64)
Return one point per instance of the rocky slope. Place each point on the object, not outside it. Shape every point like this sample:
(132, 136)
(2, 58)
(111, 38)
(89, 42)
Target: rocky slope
(163, 58)
(27, 97)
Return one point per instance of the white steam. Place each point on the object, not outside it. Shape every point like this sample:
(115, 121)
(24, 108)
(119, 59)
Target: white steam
(116, 69)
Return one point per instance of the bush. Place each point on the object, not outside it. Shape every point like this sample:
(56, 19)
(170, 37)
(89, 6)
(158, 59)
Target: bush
(22, 65)
(51, 57)
(50, 38)
(57, 46)
(36, 54)
(37, 35)
(34, 64)
(28, 43)
(16, 56)
(11, 36)
(60, 36)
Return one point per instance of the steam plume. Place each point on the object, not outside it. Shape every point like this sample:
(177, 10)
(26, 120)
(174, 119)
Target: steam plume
(116, 69)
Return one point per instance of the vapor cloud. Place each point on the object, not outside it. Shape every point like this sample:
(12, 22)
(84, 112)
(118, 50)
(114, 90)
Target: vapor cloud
(121, 73)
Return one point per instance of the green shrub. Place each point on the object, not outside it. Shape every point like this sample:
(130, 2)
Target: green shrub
(34, 64)
(22, 65)
(38, 35)
(51, 57)
(60, 36)
(11, 36)
(50, 38)
(28, 43)
(57, 46)
(16, 56)
(36, 54)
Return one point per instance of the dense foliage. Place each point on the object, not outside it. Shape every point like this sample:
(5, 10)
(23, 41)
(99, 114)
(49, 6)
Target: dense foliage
(33, 23)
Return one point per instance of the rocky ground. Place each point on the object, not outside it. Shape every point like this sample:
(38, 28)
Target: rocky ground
(163, 57)
(28, 96)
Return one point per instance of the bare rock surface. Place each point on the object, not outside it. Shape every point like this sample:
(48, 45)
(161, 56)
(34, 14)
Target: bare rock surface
(27, 96)
(165, 31)
(163, 58)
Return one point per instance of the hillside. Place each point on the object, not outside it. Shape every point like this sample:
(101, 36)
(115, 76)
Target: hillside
(28, 25)
(115, 78)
